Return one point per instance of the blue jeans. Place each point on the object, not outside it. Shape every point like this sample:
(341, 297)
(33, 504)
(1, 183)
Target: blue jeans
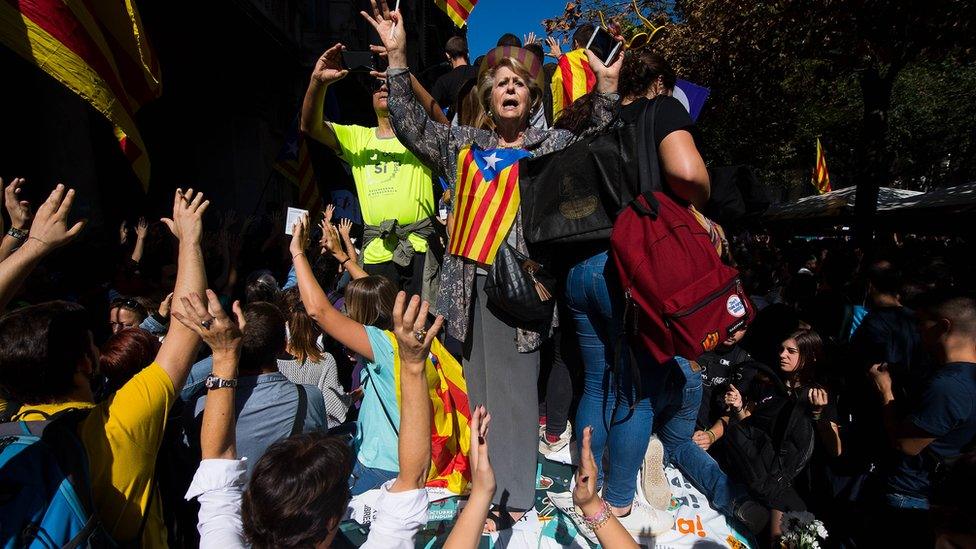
(902, 501)
(622, 407)
(364, 479)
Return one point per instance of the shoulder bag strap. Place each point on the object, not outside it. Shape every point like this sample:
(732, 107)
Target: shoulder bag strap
(647, 158)
(299, 425)
(389, 418)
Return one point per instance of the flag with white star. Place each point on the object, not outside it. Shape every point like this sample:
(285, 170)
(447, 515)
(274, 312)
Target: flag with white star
(486, 201)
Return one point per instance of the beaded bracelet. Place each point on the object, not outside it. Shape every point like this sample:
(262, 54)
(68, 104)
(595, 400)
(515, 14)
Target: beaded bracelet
(598, 520)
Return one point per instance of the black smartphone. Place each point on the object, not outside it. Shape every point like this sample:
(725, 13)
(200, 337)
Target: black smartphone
(358, 61)
(604, 46)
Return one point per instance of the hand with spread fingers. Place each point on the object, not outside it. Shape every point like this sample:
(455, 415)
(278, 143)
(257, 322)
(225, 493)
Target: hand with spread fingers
(555, 50)
(410, 327)
(389, 27)
(187, 221)
(142, 228)
(50, 226)
(219, 331)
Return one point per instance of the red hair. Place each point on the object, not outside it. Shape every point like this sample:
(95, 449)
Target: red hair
(126, 353)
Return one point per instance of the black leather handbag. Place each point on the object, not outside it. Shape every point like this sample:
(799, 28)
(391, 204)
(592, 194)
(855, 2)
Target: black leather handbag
(520, 287)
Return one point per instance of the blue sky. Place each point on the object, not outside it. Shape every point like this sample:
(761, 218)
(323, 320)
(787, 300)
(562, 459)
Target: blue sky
(492, 18)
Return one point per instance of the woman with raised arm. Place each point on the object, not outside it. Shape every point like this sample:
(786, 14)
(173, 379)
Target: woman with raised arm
(500, 353)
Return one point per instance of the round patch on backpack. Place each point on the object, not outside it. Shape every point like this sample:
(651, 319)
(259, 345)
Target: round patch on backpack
(735, 306)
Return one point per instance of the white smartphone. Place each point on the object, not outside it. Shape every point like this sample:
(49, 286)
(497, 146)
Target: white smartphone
(604, 46)
(293, 215)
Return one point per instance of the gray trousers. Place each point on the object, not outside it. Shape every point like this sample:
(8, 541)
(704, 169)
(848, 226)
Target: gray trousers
(504, 381)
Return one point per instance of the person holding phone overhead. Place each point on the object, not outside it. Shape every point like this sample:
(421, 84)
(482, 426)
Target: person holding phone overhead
(395, 190)
(500, 354)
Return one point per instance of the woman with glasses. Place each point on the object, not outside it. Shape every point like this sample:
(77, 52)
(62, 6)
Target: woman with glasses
(126, 312)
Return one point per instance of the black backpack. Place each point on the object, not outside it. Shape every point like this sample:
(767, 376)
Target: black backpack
(767, 450)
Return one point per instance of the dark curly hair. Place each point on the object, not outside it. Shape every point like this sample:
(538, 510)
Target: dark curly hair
(298, 492)
(641, 69)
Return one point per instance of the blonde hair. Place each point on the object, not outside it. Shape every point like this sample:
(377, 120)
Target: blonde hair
(487, 82)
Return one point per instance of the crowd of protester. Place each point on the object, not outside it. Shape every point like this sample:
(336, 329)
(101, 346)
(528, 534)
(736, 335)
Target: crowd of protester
(232, 386)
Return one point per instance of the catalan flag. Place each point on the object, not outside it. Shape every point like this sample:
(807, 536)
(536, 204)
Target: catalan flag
(487, 199)
(98, 50)
(457, 10)
(295, 164)
(450, 432)
(821, 179)
(573, 78)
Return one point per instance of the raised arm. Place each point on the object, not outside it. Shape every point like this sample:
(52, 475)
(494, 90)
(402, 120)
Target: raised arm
(596, 512)
(413, 343)
(328, 69)
(20, 217)
(429, 140)
(346, 257)
(179, 348)
(49, 231)
(470, 524)
(142, 230)
(222, 334)
(339, 326)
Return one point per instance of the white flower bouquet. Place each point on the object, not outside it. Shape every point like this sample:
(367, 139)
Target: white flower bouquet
(801, 530)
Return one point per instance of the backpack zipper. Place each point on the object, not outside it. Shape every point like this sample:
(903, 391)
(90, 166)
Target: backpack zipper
(708, 299)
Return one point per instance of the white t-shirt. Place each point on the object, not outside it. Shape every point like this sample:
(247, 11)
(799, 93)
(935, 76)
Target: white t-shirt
(219, 483)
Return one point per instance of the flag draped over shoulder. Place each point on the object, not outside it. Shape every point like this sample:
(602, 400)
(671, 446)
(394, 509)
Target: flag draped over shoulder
(573, 78)
(295, 164)
(97, 49)
(457, 10)
(487, 199)
(450, 434)
(821, 179)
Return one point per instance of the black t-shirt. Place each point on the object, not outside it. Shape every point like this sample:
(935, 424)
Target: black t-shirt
(719, 369)
(947, 411)
(671, 116)
(446, 88)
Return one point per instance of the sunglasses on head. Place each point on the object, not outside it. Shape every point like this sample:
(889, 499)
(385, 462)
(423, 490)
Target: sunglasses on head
(128, 303)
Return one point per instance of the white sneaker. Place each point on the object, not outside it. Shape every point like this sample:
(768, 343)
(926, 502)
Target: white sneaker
(644, 520)
(654, 482)
(546, 448)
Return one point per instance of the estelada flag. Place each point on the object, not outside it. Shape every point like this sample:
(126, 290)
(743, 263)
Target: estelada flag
(573, 79)
(96, 49)
(457, 10)
(295, 164)
(821, 179)
(487, 199)
(450, 432)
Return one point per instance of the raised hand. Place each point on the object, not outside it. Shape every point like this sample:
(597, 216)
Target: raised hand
(606, 77)
(328, 68)
(142, 228)
(482, 474)
(555, 50)
(409, 326)
(733, 398)
(19, 210)
(530, 38)
(389, 26)
(218, 330)
(187, 221)
(165, 306)
(50, 226)
(585, 493)
(329, 211)
(345, 228)
(818, 399)
(299, 236)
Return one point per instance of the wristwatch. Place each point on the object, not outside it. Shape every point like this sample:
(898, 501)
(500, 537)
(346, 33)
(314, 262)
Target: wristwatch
(214, 382)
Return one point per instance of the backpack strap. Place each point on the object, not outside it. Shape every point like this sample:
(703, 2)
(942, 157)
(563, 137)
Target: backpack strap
(649, 172)
(299, 424)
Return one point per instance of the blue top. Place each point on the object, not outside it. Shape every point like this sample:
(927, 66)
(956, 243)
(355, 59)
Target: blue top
(947, 412)
(376, 439)
(266, 406)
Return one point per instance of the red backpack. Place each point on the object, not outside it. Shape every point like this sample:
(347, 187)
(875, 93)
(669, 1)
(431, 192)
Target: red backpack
(681, 299)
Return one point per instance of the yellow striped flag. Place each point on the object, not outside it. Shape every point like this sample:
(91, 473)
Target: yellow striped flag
(487, 199)
(97, 49)
(573, 78)
(821, 179)
(457, 10)
(450, 431)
